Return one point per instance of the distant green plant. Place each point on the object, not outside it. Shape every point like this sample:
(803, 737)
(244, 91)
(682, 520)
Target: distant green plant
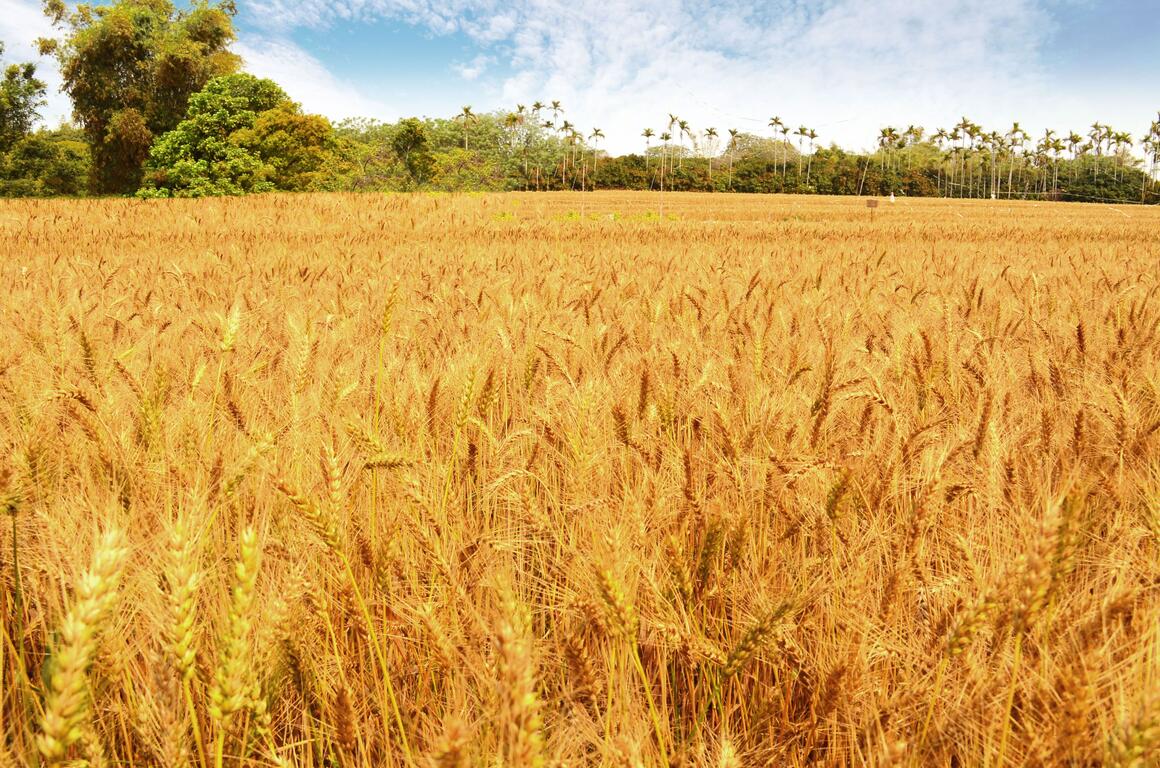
(46, 164)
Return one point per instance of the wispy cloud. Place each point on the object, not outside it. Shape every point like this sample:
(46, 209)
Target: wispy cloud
(839, 65)
(843, 67)
(305, 78)
(471, 70)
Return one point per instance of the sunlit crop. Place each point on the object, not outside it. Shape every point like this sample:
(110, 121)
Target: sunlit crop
(547, 480)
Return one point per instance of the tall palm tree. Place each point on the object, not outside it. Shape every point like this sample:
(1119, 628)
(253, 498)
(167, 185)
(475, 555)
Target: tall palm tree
(733, 132)
(801, 133)
(1016, 137)
(666, 137)
(595, 137)
(710, 145)
(567, 135)
(939, 137)
(647, 133)
(1057, 148)
(911, 136)
(467, 116)
(784, 150)
(998, 146)
(1074, 141)
(1049, 142)
(812, 135)
(516, 125)
(1096, 134)
(777, 124)
(1122, 140)
(973, 133)
(1152, 154)
(887, 140)
(683, 130)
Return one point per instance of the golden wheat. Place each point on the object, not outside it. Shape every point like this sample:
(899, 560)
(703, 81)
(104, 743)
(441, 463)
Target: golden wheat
(763, 482)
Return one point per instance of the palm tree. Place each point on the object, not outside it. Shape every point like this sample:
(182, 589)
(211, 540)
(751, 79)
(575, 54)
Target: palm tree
(1074, 140)
(1096, 134)
(567, 133)
(467, 116)
(1049, 142)
(1152, 153)
(911, 136)
(801, 133)
(710, 144)
(595, 138)
(511, 123)
(887, 140)
(1122, 140)
(777, 124)
(647, 134)
(666, 137)
(973, 132)
(732, 148)
(575, 141)
(939, 137)
(812, 135)
(1057, 148)
(684, 130)
(784, 150)
(1017, 138)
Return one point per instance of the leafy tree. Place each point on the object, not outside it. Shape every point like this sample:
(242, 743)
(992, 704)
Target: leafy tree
(411, 146)
(21, 95)
(295, 146)
(240, 134)
(46, 164)
(130, 67)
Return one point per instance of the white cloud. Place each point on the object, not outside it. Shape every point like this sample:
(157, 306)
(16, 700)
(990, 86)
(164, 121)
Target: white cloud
(305, 78)
(471, 70)
(844, 67)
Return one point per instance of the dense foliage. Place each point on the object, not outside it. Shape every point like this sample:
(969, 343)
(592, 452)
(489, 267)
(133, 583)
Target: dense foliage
(21, 95)
(46, 164)
(35, 164)
(129, 68)
(241, 134)
(506, 154)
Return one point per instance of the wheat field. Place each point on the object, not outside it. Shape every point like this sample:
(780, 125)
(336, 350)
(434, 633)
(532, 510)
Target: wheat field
(558, 480)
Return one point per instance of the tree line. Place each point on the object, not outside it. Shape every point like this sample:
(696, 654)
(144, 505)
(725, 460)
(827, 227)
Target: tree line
(161, 107)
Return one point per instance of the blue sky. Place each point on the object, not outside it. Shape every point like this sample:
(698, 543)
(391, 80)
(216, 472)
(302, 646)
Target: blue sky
(843, 67)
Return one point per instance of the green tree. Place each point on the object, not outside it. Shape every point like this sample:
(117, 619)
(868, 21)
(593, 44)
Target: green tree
(412, 148)
(240, 134)
(296, 146)
(46, 163)
(21, 95)
(130, 67)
